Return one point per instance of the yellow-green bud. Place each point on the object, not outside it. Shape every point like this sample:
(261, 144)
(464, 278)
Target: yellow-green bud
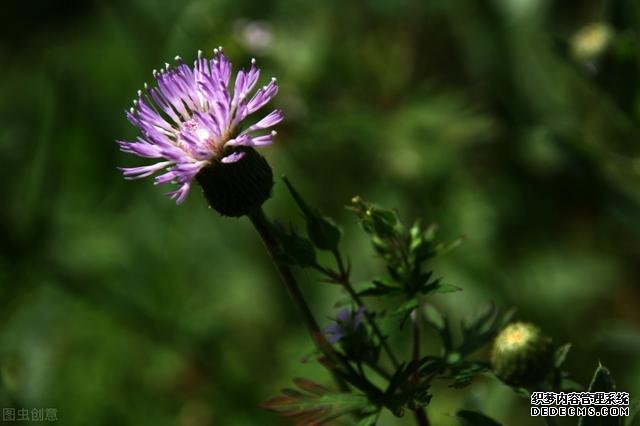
(591, 41)
(522, 355)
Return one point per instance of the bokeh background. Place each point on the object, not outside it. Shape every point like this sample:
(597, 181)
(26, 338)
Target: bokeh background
(512, 122)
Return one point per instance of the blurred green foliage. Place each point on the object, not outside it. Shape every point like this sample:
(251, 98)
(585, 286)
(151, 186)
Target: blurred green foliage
(513, 122)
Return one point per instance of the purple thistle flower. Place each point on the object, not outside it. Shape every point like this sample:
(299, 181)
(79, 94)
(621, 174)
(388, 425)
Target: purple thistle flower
(191, 118)
(347, 322)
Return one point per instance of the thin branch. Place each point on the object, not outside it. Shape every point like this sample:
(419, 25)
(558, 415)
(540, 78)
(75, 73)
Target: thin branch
(419, 413)
(263, 226)
(343, 278)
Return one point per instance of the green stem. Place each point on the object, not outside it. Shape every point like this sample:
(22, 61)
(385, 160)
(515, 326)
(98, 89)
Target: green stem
(415, 323)
(262, 225)
(419, 413)
(379, 370)
(421, 417)
(344, 275)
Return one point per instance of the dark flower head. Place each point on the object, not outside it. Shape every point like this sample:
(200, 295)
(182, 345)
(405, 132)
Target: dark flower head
(191, 120)
(347, 322)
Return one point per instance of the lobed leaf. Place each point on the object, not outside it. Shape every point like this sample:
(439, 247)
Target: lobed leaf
(561, 354)
(313, 404)
(295, 250)
(322, 231)
(602, 381)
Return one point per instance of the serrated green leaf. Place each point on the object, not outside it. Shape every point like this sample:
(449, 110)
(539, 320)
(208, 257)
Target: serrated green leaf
(434, 317)
(422, 250)
(416, 230)
(430, 233)
(322, 231)
(404, 391)
(378, 222)
(378, 288)
(440, 323)
(474, 418)
(602, 381)
(306, 210)
(464, 372)
(311, 387)
(369, 420)
(430, 365)
(404, 310)
(294, 249)
(478, 330)
(446, 288)
(381, 245)
(561, 354)
(522, 392)
(384, 222)
(507, 317)
(443, 248)
(401, 373)
(480, 320)
(482, 328)
(420, 282)
(315, 403)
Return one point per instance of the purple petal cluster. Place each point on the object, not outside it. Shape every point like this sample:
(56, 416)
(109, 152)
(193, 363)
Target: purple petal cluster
(347, 322)
(192, 117)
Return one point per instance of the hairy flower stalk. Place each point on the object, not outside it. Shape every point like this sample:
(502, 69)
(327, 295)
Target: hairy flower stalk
(191, 121)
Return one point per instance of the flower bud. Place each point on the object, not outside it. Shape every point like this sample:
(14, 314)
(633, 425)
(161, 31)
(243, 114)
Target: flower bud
(591, 41)
(238, 188)
(522, 355)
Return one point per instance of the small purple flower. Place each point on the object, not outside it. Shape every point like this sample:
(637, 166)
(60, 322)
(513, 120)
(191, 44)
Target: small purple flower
(347, 322)
(191, 119)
